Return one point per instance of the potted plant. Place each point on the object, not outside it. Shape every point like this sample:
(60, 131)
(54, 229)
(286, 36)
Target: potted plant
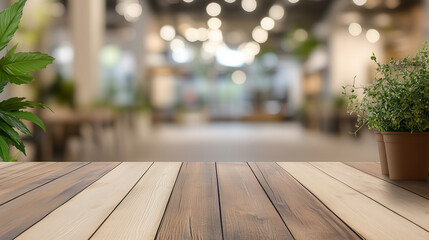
(14, 69)
(396, 107)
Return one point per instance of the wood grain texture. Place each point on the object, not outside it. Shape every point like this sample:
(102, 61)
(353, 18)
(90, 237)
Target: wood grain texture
(418, 187)
(8, 164)
(365, 216)
(247, 213)
(6, 174)
(139, 214)
(80, 217)
(193, 210)
(305, 216)
(21, 213)
(399, 200)
(27, 182)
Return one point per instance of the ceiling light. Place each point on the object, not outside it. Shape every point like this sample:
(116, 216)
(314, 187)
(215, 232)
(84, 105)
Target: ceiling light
(250, 48)
(192, 34)
(238, 77)
(188, 1)
(177, 43)
(267, 23)
(249, 5)
(120, 8)
(229, 57)
(229, 1)
(210, 47)
(181, 55)
(203, 34)
(355, 29)
(259, 35)
(215, 35)
(249, 58)
(134, 10)
(359, 2)
(293, 1)
(213, 9)
(276, 12)
(214, 23)
(167, 33)
(372, 35)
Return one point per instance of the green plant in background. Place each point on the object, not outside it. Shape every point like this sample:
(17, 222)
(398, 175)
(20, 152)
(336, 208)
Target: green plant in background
(398, 98)
(15, 68)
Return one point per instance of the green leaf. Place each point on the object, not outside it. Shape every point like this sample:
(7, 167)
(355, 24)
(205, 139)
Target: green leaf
(24, 62)
(11, 51)
(4, 150)
(17, 79)
(8, 54)
(10, 104)
(16, 104)
(2, 86)
(13, 121)
(30, 117)
(18, 145)
(13, 135)
(9, 21)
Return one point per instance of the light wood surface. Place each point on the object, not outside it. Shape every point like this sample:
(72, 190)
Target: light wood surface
(399, 200)
(33, 179)
(246, 210)
(364, 215)
(305, 216)
(21, 213)
(193, 211)
(140, 213)
(80, 217)
(7, 174)
(8, 164)
(203, 200)
(418, 187)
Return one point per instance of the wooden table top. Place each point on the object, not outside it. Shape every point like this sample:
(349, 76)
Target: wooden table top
(203, 200)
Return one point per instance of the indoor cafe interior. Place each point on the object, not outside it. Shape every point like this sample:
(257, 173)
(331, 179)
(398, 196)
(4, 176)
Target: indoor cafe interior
(198, 80)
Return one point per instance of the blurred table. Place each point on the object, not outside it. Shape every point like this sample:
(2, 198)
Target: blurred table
(62, 125)
(206, 200)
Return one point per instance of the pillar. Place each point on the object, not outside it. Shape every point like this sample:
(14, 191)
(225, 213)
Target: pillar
(87, 19)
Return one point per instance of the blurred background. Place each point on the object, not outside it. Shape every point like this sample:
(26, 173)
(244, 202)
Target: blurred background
(199, 80)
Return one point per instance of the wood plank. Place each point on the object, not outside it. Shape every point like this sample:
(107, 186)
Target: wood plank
(140, 213)
(365, 216)
(246, 211)
(7, 174)
(80, 217)
(418, 187)
(305, 216)
(399, 200)
(193, 210)
(21, 213)
(8, 164)
(27, 182)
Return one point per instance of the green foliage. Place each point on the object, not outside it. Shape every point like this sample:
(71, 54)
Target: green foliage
(9, 21)
(398, 98)
(15, 69)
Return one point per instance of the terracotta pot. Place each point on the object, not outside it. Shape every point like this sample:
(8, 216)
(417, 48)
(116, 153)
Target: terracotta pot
(381, 153)
(407, 155)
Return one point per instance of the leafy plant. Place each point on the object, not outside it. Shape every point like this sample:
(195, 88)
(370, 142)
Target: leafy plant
(398, 98)
(15, 68)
